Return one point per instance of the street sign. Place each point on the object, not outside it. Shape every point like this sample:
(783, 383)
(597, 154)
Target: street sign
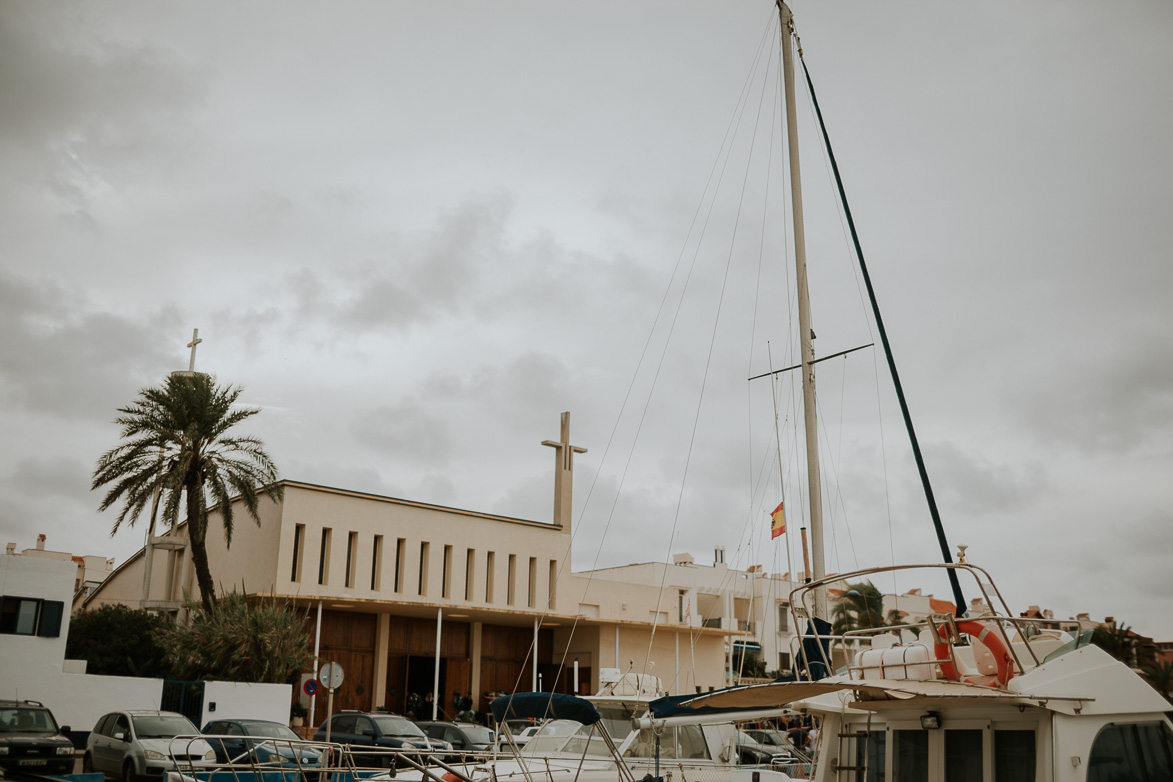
(311, 686)
(331, 675)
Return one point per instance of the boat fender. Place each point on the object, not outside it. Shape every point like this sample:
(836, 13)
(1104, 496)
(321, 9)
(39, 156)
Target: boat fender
(988, 647)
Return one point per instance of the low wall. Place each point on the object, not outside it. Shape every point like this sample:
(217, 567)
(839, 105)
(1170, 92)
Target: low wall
(228, 700)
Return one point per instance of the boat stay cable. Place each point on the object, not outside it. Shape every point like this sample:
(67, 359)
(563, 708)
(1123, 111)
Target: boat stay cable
(721, 162)
(920, 462)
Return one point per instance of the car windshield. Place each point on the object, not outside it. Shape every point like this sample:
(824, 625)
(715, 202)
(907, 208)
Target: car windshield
(566, 736)
(162, 726)
(23, 720)
(271, 730)
(477, 734)
(394, 725)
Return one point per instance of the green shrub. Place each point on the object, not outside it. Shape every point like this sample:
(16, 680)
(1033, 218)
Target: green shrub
(239, 640)
(118, 641)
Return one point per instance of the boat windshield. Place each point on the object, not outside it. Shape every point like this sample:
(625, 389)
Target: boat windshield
(566, 737)
(616, 718)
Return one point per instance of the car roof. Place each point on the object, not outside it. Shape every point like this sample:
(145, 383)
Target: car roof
(11, 704)
(147, 712)
(246, 720)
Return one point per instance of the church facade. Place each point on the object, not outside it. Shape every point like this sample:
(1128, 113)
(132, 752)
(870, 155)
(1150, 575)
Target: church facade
(409, 597)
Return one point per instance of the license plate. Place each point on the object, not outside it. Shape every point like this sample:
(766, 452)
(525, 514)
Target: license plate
(34, 762)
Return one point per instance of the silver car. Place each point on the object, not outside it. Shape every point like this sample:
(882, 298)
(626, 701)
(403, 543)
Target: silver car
(141, 745)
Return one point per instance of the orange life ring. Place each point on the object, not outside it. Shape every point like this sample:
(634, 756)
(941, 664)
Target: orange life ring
(984, 635)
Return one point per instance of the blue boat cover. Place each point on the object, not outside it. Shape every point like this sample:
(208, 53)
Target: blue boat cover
(544, 705)
(816, 647)
(677, 705)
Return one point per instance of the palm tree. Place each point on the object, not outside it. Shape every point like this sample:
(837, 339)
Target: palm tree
(1160, 675)
(1118, 641)
(176, 441)
(861, 607)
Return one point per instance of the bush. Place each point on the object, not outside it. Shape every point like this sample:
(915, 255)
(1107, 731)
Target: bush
(118, 641)
(239, 641)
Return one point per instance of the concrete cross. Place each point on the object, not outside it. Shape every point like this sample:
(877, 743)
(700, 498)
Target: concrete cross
(195, 340)
(563, 474)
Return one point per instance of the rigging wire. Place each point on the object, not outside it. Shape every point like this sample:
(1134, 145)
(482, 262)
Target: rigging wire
(708, 364)
(734, 122)
(916, 451)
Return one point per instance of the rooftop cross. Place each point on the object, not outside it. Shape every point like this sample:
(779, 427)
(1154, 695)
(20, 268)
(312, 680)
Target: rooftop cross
(563, 473)
(195, 340)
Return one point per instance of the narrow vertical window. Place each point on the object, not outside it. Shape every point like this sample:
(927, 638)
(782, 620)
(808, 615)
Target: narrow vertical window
(423, 585)
(324, 556)
(511, 573)
(552, 595)
(377, 564)
(490, 561)
(298, 547)
(470, 572)
(446, 575)
(351, 558)
(532, 596)
(400, 561)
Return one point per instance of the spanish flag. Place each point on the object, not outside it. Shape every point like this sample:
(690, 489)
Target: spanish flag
(779, 525)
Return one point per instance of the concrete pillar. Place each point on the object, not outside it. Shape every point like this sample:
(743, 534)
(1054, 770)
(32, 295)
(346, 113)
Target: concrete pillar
(475, 677)
(382, 644)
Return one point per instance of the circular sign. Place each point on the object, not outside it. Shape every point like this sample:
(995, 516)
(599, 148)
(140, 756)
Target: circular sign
(311, 686)
(331, 675)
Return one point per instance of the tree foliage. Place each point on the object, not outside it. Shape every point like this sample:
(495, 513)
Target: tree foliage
(239, 641)
(748, 663)
(118, 641)
(861, 607)
(176, 440)
(1123, 644)
(1160, 674)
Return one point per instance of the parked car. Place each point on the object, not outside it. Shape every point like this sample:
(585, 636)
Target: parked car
(260, 742)
(382, 730)
(755, 753)
(463, 736)
(771, 737)
(31, 741)
(520, 738)
(133, 745)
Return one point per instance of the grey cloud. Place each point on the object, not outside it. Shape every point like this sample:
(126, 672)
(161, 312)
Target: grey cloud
(1116, 400)
(405, 431)
(971, 482)
(46, 495)
(50, 346)
(58, 476)
(340, 475)
(84, 113)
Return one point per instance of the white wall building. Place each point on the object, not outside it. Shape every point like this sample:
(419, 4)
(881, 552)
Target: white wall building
(34, 626)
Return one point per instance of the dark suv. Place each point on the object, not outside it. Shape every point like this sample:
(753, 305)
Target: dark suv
(378, 729)
(31, 741)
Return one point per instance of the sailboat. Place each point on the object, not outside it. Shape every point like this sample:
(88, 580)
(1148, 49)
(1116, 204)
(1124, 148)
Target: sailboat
(985, 695)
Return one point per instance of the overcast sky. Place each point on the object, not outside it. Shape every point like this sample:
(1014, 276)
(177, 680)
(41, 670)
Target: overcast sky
(417, 232)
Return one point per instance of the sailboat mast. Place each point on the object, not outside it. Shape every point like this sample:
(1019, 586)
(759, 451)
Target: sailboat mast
(814, 487)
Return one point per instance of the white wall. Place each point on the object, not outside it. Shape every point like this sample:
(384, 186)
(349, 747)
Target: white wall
(45, 579)
(247, 701)
(78, 700)
(33, 667)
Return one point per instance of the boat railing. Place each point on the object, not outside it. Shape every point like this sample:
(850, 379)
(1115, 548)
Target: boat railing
(286, 760)
(1027, 640)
